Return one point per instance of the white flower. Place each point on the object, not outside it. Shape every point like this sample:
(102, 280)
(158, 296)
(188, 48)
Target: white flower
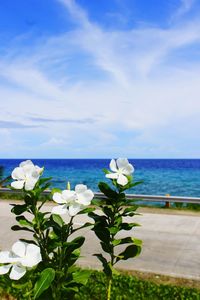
(26, 175)
(21, 257)
(72, 201)
(121, 168)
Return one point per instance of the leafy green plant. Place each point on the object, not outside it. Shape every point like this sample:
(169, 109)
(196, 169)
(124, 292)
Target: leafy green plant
(112, 221)
(44, 267)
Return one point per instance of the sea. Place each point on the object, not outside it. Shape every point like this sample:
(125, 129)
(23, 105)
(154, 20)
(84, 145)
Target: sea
(177, 177)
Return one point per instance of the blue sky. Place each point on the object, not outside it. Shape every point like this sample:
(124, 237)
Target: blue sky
(82, 78)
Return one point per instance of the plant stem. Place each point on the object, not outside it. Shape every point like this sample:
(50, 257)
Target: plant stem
(109, 289)
(56, 291)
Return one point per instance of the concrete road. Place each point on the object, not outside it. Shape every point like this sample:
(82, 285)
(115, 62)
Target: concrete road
(171, 242)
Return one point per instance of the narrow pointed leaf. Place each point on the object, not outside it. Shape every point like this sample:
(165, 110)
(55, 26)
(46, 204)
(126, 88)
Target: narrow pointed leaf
(44, 282)
(17, 228)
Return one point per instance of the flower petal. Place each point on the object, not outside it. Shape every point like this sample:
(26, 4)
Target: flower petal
(113, 165)
(68, 195)
(122, 180)
(60, 210)
(4, 257)
(122, 162)
(26, 163)
(39, 170)
(35, 174)
(85, 198)
(17, 272)
(28, 170)
(75, 208)
(128, 169)
(80, 188)
(57, 197)
(30, 184)
(5, 269)
(19, 248)
(18, 184)
(32, 257)
(18, 173)
(7, 257)
(112, 175)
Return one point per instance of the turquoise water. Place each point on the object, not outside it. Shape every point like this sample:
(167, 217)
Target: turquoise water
(178, 177)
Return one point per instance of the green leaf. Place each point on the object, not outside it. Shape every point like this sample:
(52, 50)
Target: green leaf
(73, 245)
(45, 187)
(83, 226)
(82, 276)
(107, 211)
(106, 267)
(106, 171)
(130, 209)
(44, 282)
(106, 247)
(137, 242)
(44, 180)
(98, 202)
(40, 216)
(28, 241)
(128, 226)
(58, 220)
(130, 251)
(98, 219)
(23, 221)
(126, 240)
(29, 200)
(16, 228)
(113, 230)
(102, 233)
(107, 191)
(55, 190)
(135, 183)
(118, 221)
(86, 211)
(18, 209)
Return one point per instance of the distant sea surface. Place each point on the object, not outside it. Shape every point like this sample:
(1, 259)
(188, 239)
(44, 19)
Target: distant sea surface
(177, 177)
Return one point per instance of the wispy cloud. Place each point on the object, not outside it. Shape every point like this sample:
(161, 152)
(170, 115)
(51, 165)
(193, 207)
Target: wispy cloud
(138, 87)
(184, 7)
(68, 121)
(15, 125)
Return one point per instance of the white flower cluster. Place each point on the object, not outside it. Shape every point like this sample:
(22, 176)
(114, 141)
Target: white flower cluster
(26, 175)
(21, 257)
(71, 202)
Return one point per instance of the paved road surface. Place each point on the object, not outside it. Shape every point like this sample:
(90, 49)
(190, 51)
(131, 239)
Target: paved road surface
(171, 243)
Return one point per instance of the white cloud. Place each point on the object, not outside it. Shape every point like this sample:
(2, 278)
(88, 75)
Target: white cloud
(184, 8)
(142, 88)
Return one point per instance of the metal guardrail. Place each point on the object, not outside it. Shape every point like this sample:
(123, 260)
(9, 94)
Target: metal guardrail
(151, 198)
(155, 198)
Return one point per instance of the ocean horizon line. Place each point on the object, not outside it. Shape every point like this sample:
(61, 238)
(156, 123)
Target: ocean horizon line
(100, 158)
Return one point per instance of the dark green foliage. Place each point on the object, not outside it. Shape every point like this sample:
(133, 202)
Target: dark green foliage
(55, 277)
(131, 288)
(111, 222)
(43, 282)
(193, 206)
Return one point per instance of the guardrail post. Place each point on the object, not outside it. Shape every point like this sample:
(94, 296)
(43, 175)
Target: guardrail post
(167, 203)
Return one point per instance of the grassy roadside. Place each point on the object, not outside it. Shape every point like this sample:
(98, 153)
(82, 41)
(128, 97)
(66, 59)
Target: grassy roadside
(136, 286)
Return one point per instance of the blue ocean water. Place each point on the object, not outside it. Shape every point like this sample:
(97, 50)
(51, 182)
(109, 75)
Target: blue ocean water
(177, 177)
